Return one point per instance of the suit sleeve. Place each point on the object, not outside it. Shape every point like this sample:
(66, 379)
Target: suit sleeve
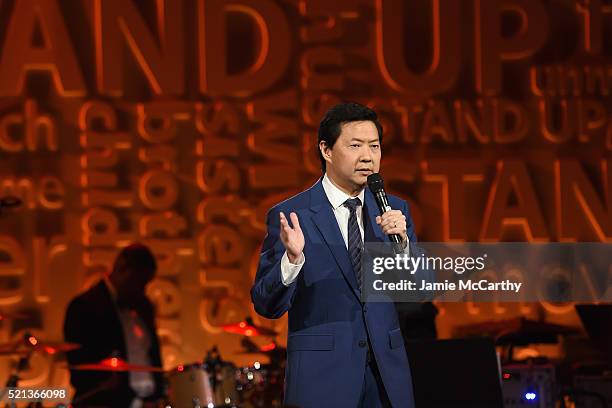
(415, 251)
(409, 223)
(270, 296)
(78, 329)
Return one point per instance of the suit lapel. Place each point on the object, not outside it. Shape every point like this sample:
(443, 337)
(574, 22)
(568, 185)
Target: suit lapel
(107, 303)
(372, 231)
(325, 221)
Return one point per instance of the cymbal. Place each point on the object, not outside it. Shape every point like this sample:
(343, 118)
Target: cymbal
(32, 344)
(252, 348)
(247, 328)
(117, 365)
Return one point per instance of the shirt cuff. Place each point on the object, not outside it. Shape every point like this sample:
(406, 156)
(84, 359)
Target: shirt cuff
(289, 271)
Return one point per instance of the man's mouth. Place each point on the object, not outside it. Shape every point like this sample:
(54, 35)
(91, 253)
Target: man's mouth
(364, 171)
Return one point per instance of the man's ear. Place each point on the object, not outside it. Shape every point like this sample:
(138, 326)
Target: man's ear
(325, 150)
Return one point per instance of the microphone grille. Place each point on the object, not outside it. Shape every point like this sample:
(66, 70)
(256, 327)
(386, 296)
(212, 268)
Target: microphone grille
(375, 182)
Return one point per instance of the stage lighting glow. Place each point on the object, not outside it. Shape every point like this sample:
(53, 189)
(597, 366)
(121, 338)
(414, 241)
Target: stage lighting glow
(530, 396)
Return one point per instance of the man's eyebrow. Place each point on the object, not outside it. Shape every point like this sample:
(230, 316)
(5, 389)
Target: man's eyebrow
(356, 139)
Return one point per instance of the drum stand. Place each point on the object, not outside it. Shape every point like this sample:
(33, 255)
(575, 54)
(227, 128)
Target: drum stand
(13, 380)
(213, 362)
(24, 361)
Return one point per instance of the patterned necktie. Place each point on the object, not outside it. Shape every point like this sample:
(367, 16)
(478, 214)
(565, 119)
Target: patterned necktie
(355, 244)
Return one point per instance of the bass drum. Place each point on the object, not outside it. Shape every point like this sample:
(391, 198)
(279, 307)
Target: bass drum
(193, 386)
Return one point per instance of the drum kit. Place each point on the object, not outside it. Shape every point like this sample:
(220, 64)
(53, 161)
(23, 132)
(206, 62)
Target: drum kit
(211, 383)
(215, 382)
(24, 349)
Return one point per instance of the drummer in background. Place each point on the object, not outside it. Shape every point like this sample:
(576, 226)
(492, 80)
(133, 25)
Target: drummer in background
(114, 318)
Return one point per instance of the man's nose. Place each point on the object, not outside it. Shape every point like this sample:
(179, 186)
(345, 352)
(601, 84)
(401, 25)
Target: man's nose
(366, 154)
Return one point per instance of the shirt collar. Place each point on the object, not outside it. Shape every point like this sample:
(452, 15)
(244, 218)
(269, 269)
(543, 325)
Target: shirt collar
(336, 196)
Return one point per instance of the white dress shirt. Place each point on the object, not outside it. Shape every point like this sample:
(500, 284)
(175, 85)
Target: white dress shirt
(138, 343)
(336, 197)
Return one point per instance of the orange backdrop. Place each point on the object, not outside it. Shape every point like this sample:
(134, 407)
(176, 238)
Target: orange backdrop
(178, 123)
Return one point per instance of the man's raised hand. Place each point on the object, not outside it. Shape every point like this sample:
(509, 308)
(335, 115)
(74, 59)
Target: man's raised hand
(292, 238)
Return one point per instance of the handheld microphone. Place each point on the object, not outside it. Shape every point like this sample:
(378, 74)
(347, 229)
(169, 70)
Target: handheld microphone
(377, 187)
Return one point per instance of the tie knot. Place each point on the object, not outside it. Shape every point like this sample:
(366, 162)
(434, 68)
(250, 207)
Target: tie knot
(352, 203)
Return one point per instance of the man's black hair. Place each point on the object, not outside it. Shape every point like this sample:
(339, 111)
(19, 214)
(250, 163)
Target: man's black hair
(137, 258)
(331, 124)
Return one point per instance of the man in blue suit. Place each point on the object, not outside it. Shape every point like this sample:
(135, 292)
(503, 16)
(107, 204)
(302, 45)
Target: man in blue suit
(341, 353)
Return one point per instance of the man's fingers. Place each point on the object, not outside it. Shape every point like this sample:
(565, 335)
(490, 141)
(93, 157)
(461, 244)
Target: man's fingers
(392, 219)
(283, 220)
(285, 228)
(295, 221)
(392, 215)
(393, 222)
(389, 222)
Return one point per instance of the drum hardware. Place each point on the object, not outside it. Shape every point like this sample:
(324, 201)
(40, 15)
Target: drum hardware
(219, 383)
(25, 348)
(260, 385)
(248, 328)
(211, 383)
(115, 364)
(33, 345)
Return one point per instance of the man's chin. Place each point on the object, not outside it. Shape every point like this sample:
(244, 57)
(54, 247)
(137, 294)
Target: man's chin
(359, 184)
(361, 179)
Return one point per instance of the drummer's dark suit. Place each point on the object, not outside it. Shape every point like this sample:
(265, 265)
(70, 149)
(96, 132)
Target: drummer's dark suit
(92, 321)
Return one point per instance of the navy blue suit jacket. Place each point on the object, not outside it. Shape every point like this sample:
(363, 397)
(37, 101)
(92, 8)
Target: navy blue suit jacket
(328, 325)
